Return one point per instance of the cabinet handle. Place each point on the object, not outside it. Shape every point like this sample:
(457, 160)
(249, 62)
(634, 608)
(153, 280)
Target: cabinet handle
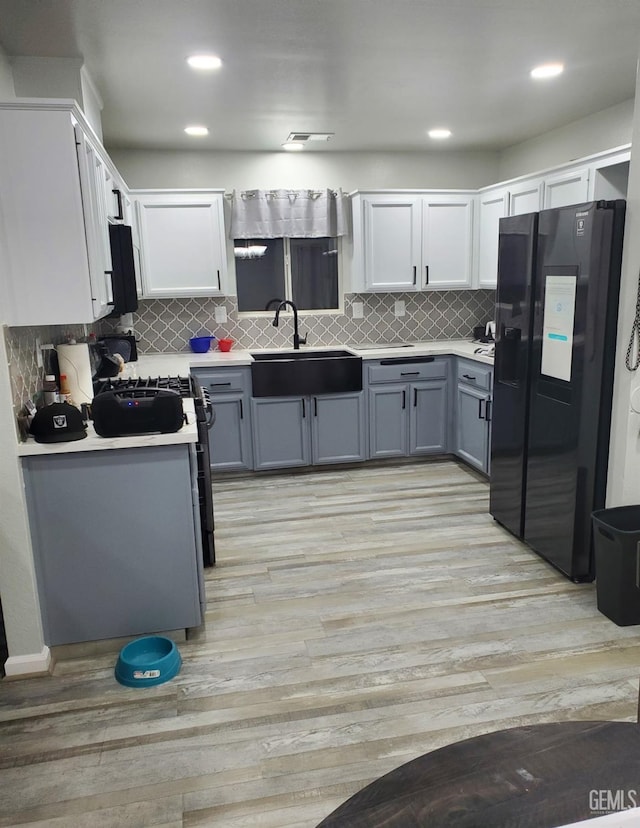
(118, 196)
(409, 373)
(404, 398)
(487, 411)
(218, 272)
(304, 411)
(241, 410)
(480, 417)
(426, 274)
(415, 274)
(415, 397)
(218, 384)
(315, 406)
(468, 377)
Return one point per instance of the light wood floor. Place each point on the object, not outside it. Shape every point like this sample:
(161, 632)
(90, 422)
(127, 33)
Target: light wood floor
(356, 619)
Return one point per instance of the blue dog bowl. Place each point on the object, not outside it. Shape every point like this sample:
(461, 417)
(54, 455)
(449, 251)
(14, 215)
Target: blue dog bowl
(148, 661)
(201, 344)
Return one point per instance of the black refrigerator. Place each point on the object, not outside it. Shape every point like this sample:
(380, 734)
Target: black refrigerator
(556, 317)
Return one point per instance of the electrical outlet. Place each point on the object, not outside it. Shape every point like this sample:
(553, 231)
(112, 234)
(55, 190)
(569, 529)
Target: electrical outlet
(357, 310)
(220, 314)
(399, 309)
(39, 362)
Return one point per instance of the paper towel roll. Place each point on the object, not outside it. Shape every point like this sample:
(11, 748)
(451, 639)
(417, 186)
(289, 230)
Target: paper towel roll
(73, 360)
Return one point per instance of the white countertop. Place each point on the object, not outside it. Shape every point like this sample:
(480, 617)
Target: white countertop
(182, 363)
(93, 442)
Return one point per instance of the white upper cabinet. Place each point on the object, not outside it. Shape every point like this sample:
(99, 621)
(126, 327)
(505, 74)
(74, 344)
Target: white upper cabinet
(182, 243)
(526, 196)
(412, 241)
(54, 216)
(447, 241)
(492, 206)
(566, 188)
(392, 242)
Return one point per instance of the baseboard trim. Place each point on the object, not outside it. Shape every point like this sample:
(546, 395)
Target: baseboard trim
(34, 664)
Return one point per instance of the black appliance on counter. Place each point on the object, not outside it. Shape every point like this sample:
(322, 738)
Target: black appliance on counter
(123, 273)
(556, 305)
(178, 387)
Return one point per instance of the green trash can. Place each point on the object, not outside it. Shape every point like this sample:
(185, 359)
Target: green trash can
(616, 539)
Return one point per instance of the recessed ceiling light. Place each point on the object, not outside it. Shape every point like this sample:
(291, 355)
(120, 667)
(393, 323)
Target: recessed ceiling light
(547, 70)
(293, 146)
(204, 62)
(196, 130)
(439, 133)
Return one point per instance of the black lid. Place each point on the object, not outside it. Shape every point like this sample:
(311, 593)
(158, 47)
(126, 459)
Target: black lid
(58, 423)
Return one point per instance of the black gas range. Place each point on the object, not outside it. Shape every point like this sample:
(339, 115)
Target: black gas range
(144, 389)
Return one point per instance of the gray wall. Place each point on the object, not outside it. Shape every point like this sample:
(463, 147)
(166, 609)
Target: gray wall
(604, 130)
(348, 170)
(7, 90)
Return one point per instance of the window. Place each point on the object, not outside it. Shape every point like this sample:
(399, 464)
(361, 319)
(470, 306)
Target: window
(302, 270)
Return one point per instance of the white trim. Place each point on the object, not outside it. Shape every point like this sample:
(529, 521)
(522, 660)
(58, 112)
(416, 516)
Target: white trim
(34, 664)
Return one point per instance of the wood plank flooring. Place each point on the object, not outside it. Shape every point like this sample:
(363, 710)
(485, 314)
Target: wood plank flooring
(357, 618)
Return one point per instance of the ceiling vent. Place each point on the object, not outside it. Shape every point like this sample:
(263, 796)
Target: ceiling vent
(303, 137)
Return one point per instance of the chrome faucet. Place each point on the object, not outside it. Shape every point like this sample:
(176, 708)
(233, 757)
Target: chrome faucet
(297, 339)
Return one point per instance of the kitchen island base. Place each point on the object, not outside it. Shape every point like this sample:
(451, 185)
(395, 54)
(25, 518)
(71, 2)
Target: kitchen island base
(115, 541)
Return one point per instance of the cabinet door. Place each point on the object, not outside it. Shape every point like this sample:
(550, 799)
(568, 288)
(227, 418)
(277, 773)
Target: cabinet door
(388, 421)
(526, 197)
(182, 244)
(472, 426)
(92, 184)
(280, 427)
(428, 418)
(566, 188)
(392, 243)
(230, 434)
(337, 428)
(493, 206)
(447, 242)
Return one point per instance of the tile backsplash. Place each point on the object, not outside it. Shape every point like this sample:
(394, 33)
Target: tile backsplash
(26, 376)
(165, 325)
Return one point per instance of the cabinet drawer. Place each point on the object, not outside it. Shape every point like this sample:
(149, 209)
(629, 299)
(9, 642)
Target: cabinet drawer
(473, 373)
(407, 370)
(219, 382)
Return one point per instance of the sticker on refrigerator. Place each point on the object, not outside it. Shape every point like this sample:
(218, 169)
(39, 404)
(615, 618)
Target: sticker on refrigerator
(557, 326)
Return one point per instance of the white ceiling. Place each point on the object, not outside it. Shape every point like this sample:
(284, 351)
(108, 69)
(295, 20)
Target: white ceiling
(378, 73)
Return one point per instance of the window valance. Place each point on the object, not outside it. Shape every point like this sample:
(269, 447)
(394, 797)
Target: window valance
(294, 214)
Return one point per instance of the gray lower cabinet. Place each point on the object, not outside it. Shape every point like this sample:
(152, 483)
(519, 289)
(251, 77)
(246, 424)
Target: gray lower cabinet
(115, 535)
(473, 414)
(230, 447)
(408, 417)
(297, 431)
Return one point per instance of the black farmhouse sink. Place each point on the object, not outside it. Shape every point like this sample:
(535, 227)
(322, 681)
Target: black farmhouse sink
(301, 373)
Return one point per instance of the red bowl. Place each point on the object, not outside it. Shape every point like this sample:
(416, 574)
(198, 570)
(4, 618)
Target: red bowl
(225, 344)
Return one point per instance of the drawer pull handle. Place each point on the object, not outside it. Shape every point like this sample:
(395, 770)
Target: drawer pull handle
(409, 373)
(469, 377)
(218, 384)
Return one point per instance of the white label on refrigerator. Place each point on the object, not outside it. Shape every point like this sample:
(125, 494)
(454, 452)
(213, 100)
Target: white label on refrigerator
(557, 326)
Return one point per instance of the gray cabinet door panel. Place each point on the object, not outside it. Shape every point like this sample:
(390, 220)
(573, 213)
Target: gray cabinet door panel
(337, 428)
(114, 542)
(230, 434)
(280, 432)
(472, 429)
(428, 418)
(388, 421)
